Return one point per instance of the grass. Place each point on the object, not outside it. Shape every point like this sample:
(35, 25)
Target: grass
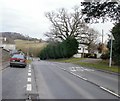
(29, 61)
(103, 65)
(69, 60)
(100, 65)
(30, 46)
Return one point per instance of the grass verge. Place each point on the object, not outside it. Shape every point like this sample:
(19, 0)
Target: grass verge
(28, 61)
(100, 65)
(67, 60)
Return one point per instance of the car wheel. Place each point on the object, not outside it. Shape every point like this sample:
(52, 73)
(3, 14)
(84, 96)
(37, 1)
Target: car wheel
(24, 66)
(11, 66)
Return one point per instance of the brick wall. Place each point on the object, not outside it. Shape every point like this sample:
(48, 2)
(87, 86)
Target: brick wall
(5, 55)
(4, 58)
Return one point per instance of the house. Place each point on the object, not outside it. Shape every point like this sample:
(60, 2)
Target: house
(82, 49)
(7, 43)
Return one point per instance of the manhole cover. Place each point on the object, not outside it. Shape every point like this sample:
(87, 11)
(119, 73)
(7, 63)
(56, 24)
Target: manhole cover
(33, 97)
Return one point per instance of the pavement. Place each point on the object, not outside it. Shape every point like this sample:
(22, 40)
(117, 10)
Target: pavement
(4, 65)
(52, 80)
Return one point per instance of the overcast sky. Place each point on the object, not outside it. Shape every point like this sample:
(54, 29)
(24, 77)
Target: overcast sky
(28, 16)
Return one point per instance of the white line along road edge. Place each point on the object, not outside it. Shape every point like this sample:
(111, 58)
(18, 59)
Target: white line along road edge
(109, 91)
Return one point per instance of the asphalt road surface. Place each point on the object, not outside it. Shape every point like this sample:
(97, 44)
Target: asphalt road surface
(98, 77)
(52, 80)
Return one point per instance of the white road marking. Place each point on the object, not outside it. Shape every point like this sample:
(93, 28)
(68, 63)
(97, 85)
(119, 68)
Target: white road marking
(86, 80)
(80, 69)
(79, 76)
(29, 74)
(82, 77)
(29, 87)
(24, 86)
(63, 69)
(30, 98)
(29, 71)
(73, 69)
(109, 91)
(88, 69)
(29, 66)
(29, 79)
(73, 73)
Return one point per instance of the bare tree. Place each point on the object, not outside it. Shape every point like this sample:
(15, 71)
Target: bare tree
(65, 24)
(88, 37)
(70, 24)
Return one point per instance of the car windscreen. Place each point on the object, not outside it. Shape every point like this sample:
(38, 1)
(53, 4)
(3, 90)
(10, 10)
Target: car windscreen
(18, 56)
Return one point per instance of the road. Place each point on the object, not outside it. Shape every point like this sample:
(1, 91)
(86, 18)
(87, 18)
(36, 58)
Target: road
(98, 77)
(52, 80)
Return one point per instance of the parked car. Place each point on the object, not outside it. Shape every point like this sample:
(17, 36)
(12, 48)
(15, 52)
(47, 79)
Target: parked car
(18, 60)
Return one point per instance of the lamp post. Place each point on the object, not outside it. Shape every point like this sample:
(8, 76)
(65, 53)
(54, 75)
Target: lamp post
(110, 60)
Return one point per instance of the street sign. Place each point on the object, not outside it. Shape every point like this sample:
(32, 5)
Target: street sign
(111, 36)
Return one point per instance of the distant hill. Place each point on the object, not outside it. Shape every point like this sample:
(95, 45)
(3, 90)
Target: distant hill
(32, 47)
(15, 35)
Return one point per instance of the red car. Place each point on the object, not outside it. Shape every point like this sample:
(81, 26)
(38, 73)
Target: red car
(18, 60)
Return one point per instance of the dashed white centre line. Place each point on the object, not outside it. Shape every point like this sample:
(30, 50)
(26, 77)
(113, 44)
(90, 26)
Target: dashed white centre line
(29, 74)
(29, 87)
(29, 66)
(29, 71)
(29, 79)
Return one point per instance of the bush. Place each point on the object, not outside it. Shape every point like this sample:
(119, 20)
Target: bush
(90, 55)
(116, 44)
(65, 49)
(105, 56)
